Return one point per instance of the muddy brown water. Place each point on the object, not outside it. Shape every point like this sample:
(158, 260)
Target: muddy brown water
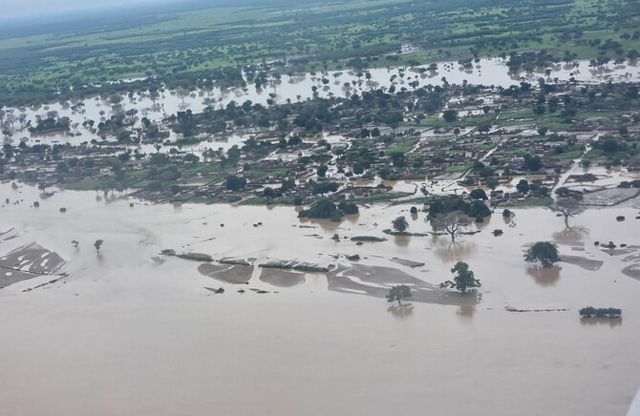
(131, 332)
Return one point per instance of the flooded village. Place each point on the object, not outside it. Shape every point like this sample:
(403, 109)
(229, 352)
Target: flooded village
(230, 249)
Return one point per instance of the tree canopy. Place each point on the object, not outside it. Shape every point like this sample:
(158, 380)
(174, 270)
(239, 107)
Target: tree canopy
(400, 224)
(235, 183)
(398, 293)
(544, 252)
(478, 194)
(322, 208)
(463, 279)
(523, 186)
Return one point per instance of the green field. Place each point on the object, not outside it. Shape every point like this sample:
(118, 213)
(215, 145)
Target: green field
(184, 44)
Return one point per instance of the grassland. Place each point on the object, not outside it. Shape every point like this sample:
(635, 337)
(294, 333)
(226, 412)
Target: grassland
(184, 44)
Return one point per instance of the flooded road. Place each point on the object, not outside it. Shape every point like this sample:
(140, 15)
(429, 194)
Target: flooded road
(130, 331)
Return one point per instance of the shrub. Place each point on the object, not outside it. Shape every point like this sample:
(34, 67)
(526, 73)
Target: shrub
(591, 312)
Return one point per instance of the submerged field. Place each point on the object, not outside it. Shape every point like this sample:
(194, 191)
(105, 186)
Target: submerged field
(144, 327)
(215, 236)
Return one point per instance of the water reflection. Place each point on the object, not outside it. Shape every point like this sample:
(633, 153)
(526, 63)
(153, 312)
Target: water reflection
(449, 251)
(544, 276)
(401, 311)
(571, 234)
(485, 222)
(510, 220)
(466, 312)
(402, 240)
(601, 321)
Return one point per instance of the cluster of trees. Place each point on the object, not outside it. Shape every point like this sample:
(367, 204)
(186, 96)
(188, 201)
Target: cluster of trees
(50, 123)
(591, 312)
(444, 205)
(324, 208)
(463, 280)
(190, 56)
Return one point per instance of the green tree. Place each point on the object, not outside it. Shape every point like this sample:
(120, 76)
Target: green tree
(322, 170)
(532, 163)
(463, 278)
(400, 224)
(544, 252)
(348, 208)
(450, 115)
(398, 293)
(268, 192)
(235, 183)
(191, 158)
(523, 186)
(287, 184)
(478, 194)
(322, 208)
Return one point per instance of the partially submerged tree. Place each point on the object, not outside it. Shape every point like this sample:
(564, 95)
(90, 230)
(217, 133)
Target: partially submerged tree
(569, 207)
(544, 252)
(453, 223)
(98, 245)
(400, 224)
(398, 293)
(463, 278)
(591, 312)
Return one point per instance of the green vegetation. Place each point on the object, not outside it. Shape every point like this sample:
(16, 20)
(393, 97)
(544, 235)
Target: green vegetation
(463, 280)
(398, 293)
(591, 312)
(189, 43)
(324, 208)
(400, 224)
(544, 252)
(367, 238)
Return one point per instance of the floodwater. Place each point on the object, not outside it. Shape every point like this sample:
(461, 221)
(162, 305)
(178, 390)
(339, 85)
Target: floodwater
(129, 331)
(299, 87)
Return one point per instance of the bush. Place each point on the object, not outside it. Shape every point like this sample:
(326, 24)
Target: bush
(400, 224)
(348, 208)
(235, 183)
(591, 312)
(322, 208)
(450, 115)
(324, 187)
(544, 252)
